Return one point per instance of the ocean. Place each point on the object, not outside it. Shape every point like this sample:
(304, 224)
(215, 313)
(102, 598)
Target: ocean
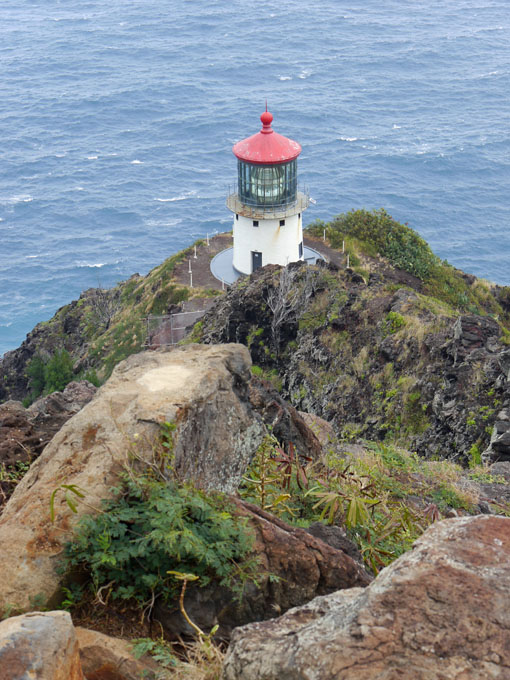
(117, 121)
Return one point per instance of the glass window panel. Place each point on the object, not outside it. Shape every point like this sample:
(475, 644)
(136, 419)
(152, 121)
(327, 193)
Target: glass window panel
(267, 185)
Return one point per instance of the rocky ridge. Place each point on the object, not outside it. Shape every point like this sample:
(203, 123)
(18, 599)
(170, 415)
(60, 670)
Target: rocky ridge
(377, 362)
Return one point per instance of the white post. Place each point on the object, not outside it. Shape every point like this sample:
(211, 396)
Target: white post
(222, 284)
(189, 270)
(195, 255)
(191, 279)
(347, 259)
(324, 235)
(207, 238)
(343, 246)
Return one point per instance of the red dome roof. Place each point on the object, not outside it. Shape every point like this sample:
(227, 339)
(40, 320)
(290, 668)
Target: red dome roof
(267, 146)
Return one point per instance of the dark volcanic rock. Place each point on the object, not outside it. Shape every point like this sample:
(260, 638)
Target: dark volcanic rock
(285, 422)
(25, 432)
(376, 363)
(336, 537)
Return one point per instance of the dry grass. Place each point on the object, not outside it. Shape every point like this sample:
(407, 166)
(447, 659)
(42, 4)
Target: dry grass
(203, 661)
(360, 362)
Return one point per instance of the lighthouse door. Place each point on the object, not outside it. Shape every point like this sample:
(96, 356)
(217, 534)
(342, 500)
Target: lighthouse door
(256, 260)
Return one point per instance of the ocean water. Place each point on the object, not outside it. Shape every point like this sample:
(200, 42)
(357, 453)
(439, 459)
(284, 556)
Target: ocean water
(117, 120)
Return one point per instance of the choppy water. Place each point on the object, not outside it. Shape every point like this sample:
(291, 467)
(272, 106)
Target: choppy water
(117, 120)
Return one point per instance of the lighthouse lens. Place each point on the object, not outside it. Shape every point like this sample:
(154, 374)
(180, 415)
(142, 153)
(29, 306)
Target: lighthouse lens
(269, 186)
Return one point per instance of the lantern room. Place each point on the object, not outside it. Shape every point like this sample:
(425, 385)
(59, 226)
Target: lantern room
(266, 202)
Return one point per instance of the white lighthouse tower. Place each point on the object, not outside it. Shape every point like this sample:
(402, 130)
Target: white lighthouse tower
(267, 205)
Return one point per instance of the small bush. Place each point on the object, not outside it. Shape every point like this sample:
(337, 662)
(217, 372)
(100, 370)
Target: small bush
(50, 376)
(35, 372)
(152, 527)
(392, 323)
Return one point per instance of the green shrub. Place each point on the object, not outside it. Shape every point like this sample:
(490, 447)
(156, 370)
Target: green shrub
(35, 371)
(152, 527)
(50, 376)
(475, 456)
(91, 376)
(58, 372)
(392, 323)
(376, 231)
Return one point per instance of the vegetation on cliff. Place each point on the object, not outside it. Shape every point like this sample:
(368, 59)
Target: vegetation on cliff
(368, 235)
(376, 350)
(90, 336)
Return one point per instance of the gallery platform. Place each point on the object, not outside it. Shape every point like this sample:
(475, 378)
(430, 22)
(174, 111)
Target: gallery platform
(223, 269)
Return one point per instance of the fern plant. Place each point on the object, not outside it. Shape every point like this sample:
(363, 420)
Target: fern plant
(152, 528)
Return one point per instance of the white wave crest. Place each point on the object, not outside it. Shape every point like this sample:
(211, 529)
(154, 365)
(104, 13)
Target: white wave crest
(136, 162)
(348, 139)
(182, 197)
(285, 78)
(14, 200)
(91, 264)
(92, 158)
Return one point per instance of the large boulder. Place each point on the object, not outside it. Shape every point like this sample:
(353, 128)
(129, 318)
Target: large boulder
(202, 390)
(440, 612)
(39, 646)
(293, 567)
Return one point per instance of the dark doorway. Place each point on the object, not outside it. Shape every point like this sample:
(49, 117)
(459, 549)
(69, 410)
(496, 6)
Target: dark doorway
(256, 260)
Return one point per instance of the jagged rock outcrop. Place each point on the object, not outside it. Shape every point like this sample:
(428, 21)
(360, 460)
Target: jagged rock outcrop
(375, 362)
(439, 612)
(294, 565)
(202, 390)
(39, 646)
(284, 421)
(24, 432)
(69, 328)
(499, 445)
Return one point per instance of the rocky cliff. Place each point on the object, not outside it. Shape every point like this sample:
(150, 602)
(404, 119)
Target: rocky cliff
(401, 348)
(374, 356)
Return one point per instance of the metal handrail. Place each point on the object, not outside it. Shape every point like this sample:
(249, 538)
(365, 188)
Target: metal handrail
(237, 205)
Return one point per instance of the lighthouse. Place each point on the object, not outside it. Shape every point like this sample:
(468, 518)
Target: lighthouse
(266, 202)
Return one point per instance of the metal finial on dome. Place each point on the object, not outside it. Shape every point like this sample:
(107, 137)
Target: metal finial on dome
(266, 119)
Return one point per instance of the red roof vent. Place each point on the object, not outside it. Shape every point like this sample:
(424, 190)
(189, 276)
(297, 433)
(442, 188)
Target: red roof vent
(267, 147)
